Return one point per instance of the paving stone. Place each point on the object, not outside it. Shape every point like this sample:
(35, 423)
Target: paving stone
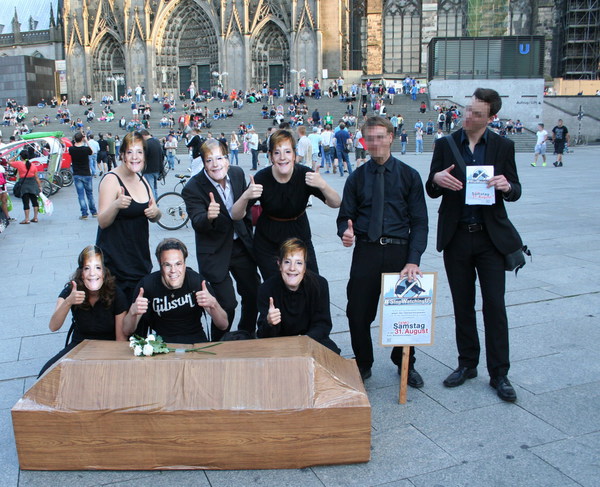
(400, 452)
(576, 457)
(551, 372)
(483, 433)
(520, 468)
(264, 478)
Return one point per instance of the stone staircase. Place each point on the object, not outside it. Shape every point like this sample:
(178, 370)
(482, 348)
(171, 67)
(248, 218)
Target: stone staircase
(251, 113)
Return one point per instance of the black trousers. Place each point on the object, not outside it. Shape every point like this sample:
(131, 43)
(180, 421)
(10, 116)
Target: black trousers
(468, 256)
(243, 269)
(369, 261)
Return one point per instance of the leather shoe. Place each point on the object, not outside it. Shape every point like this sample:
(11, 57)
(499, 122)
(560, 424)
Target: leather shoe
(504, 388)
(414, 378)
(459, 376)
(365, 373)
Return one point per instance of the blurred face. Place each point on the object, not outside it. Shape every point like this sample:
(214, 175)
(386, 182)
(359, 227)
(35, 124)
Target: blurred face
(216, 164)
(379, 141)
(93, 273)
(283, 158)
(172, 268)
(477, 115)
(134, 157)
(293, 268)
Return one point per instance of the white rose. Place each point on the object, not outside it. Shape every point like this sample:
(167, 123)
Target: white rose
(148, 350)
(137, 351)
(150, 338)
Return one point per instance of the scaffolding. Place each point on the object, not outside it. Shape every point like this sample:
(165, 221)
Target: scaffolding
(578, 41)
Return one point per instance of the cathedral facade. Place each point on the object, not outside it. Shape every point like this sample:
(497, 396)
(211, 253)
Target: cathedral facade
(164, 45)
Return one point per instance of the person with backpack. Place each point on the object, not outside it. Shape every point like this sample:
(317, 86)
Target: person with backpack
(30, 187)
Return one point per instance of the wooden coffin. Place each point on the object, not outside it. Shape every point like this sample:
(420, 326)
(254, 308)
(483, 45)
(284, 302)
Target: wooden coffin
(257, 404)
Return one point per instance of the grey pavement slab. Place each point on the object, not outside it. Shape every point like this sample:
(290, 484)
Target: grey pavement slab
(521, 468)
(576, 458)
(441, 437)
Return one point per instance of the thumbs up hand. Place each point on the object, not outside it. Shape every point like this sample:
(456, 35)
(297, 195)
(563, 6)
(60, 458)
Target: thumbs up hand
(204, 298)
(348, 235)
(152, 212)
(214, 208)
(315, 180)
(274, 314)
(140, 305)
(123, 201)
(254, 190)
(445, 180)
(76, 297)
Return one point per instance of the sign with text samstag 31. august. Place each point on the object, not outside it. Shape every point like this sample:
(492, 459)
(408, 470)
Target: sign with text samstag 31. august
(407, 310)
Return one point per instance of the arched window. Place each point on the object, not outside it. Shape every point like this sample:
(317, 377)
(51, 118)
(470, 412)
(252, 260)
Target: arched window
(187, 50)
(402, 37)
(108, 61)
(270, 47)
(451, 18)
(358, 34)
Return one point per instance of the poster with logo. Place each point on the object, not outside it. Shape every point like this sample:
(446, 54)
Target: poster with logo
(407, 310)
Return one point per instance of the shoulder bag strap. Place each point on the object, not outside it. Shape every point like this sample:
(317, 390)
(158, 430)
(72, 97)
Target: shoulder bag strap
(460, 162)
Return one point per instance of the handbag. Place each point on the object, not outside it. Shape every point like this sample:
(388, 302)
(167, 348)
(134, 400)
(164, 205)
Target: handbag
(516, 260)
(17, 188)
(513, 261)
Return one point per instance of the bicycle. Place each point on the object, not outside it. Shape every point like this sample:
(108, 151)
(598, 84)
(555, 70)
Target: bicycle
(174, 214)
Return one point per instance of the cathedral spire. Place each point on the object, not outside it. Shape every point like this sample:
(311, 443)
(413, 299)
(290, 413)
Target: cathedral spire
(52, 22)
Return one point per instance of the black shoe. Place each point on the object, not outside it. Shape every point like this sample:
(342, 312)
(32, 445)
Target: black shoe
(559, 164)
(414, 378)
(365, 373)
(459, 376)
(504, 388)
(555, 163)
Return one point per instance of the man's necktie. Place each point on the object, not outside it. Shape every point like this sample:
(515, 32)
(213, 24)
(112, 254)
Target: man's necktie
(376, 223)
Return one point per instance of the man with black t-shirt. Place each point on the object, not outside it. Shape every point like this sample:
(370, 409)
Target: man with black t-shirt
(172, 301)
(560, 137)
(82, 176)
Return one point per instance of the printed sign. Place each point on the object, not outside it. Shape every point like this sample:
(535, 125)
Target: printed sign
(407, 310)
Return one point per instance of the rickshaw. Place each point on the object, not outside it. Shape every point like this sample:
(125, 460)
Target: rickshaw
(48, 149)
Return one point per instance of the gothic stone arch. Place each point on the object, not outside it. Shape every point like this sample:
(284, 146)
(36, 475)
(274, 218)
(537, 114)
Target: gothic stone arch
(187, 48)
(107, 60)
(269, 49)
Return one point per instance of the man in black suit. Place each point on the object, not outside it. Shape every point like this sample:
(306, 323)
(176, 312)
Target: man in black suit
(475, 238)
(223, 246)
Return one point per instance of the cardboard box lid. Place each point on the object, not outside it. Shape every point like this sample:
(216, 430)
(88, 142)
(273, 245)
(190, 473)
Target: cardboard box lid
(267, 374)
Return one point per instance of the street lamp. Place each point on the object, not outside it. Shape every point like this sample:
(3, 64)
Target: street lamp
(298, 73)
(116, 80)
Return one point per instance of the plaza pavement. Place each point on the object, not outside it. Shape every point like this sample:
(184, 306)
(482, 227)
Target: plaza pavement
(441, 437)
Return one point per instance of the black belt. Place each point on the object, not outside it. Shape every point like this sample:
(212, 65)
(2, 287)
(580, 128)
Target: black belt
(471, 227)
(384, 240)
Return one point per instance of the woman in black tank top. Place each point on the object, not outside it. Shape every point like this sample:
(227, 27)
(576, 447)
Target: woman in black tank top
(125, 206)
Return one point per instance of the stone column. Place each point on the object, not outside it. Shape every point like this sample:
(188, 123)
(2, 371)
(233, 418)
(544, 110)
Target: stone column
(374, 62)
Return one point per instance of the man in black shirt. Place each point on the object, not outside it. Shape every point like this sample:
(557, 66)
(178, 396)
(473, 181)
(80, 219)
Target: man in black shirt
(172, 301)
(154, 161)
(560, 137)
(475, 238)
(383, 210)
(80, 162)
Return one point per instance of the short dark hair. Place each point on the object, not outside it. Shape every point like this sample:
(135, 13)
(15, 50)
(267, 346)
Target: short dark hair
(378, 121)
(171, 244)
(78, 137)
(489, 96)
